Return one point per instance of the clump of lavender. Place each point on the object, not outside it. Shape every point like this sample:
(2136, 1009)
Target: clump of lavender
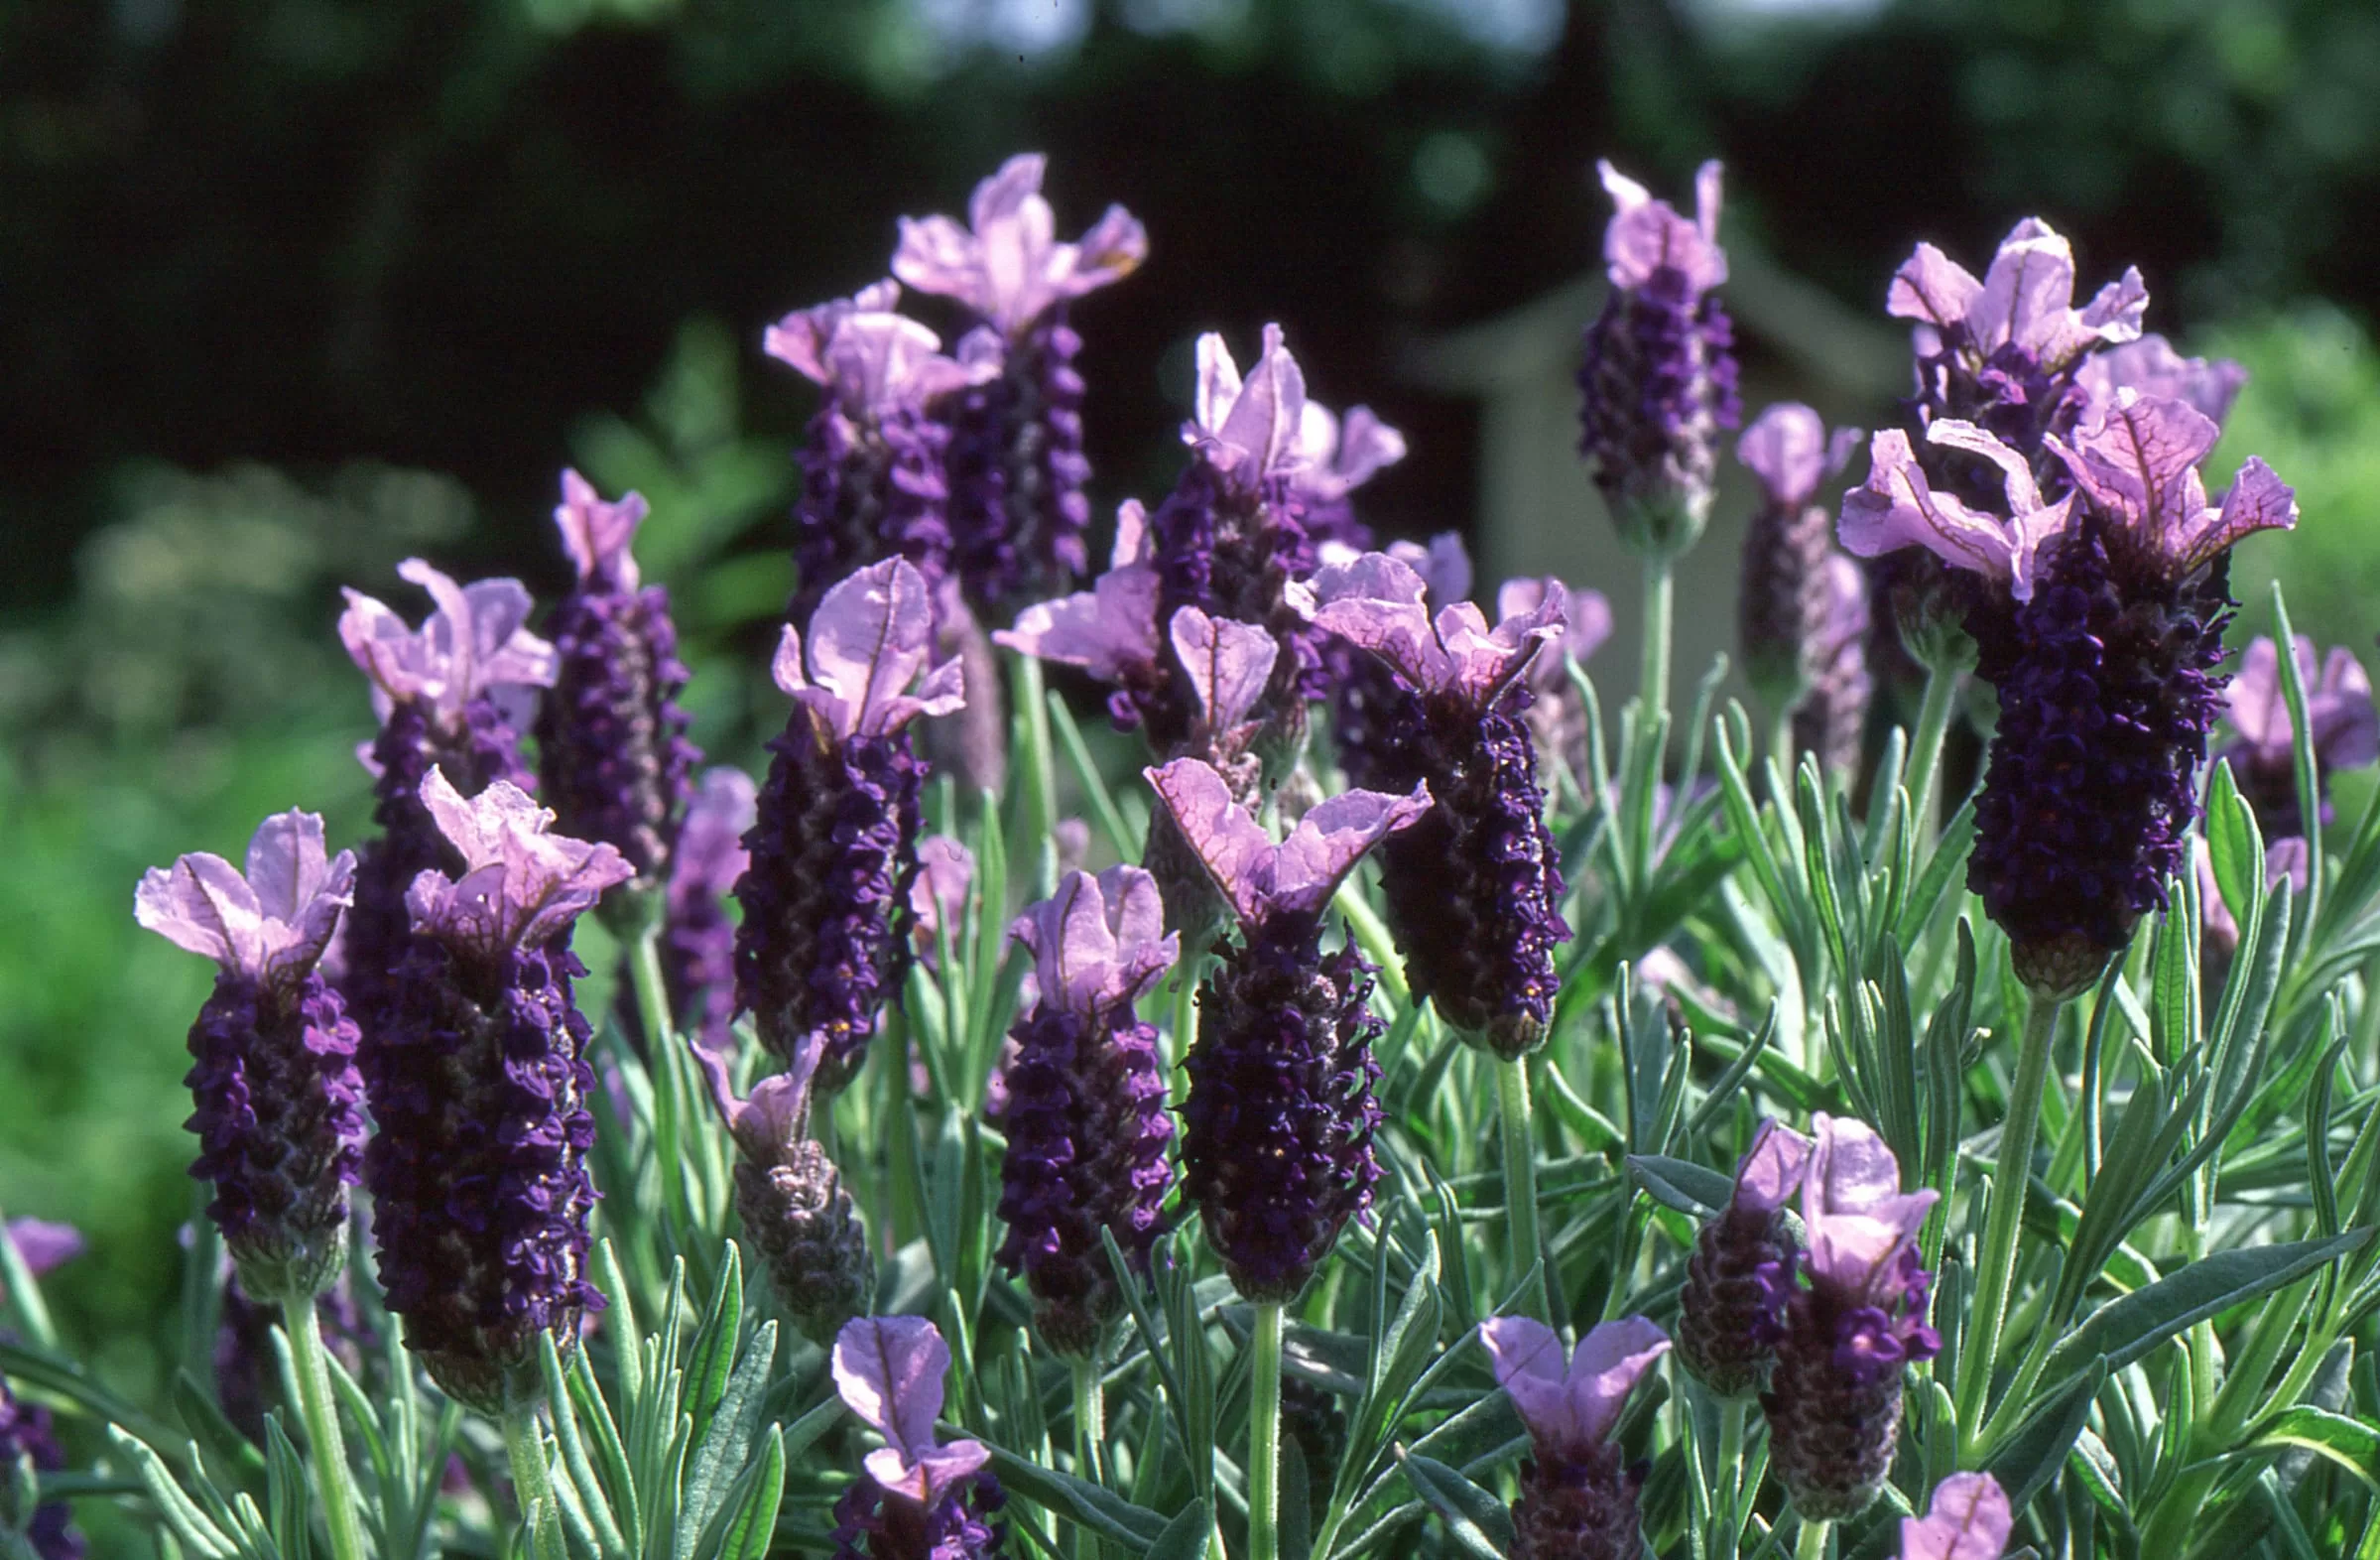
(1474, 887)
(1658, 374)
(1727, 1325)
(1277, 1130)
(28, 1440)
(1967, 1519)
(1849, 1319)
(918, 1498)
(872, 478)
(279, 1102)
(453, 695)
(1578, 1501)
(2345, 729)
(790, 1198)
(611, 740)
(1085, 1116)
(825, 931)
(1017, 507)
(2099, 621)
(698, 939)
(479, 1086)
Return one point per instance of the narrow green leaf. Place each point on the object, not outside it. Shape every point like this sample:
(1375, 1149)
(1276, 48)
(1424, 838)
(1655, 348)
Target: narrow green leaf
(746, 1521)
(1689, 1188)
(1109, 1515)
(1474, 1518)
(2351, 1443)
(713, 1359)
(287, 1509)
(725, 1444)
(1185, 1537)
(190, 1524)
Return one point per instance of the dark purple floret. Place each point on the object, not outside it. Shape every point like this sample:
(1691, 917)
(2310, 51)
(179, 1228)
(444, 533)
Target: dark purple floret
(805, 1228)
(1726, 1314)
(1833, 1402)
(1017, 510)
(280, 1124)
(1658, 383)
(2108, 686)
(1582, 1508)
(611, 740)
(1277, 1130)
(874, 1523)
(1367, 705)
(26, 1435)
(871, 488)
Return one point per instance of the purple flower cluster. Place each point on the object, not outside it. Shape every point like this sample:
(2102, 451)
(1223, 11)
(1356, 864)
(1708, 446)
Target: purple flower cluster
(919, 1497)
(2345, 726)
(698, 939)
(1801, 607)
(279, 1102)
(1658, 374)
(1086, 1115)
(1726, 1333)
(28, 1437)
(1577, 1500)
(479, 1086)
(826, 932)
(1277, 1130)
(611, 740)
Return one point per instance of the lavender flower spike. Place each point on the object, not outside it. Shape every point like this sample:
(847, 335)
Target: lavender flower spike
(1782, 600)
(1474, 889)
(611, 741)
(279, 1104)
(826, 932)
(1277, 1131)
(2338, 708)
(1010, 268)
(1658, 374)
(1968, 1519)
(919, 1497)
(1086, 1119)
(1833, 1405)
(698, 939)
(1577, 1500)
(478, 1086)
(27, 1436)
(1727, 1319)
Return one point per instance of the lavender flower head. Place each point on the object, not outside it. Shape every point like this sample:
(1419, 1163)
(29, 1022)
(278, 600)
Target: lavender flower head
(698, 939)
(479, 1086)
(826, 932)
(1475, 889)
(1085, 1116)
(1366, 694)
(1109, 630)
(872, 481)
(1658, 374)
(1277, 1130)
(1341, 454)
(1844, 1339)
(1967, 1519)
(1557, 713)
(2339, 710)
(279, 1102)
(1577, 1500)
(611, 742)
(453, 695)
(28, 1439)
(1783, 596)
(2151, 366)
(919, 1497)
(1727, 1315)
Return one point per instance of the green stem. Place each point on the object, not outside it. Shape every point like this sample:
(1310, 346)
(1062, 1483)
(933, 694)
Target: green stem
(1653, 686)
(1733, 1505)
(1926, 749)
(1520, 1181)
(527, 1448)
(323, 1437)
(1811, 1544)
(1996, 1272)
(669, 1106)
(651, 990)
(1263, 1436)
(1090, 1420)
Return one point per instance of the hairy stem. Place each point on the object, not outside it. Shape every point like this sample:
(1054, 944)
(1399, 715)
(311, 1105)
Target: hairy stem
(323, 1437)
(1926, 749)
(1811, 1543)
(525, 1445)
(1520, 1183)
(1263, 1436)
(1996, 1272)
(1734, 1499)
(1653, 684)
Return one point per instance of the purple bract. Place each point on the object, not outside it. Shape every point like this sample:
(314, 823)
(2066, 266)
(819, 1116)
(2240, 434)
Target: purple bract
(2344, 724)
(1967, 1519)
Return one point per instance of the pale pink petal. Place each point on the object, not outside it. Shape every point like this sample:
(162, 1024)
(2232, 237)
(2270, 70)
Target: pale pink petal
(1377, 603)
(1132, 544)
(710, 853)
(287, 863)
(1230, 844)
(202, 905)
(1341, 455)
(2346, 727)
(1526, 1357)
(1612, 1358)
(869, 641)
(1931, 288)
(1262, 424)
(1770, 1172)
(1109, 250)
(934, 1470)
(1445, 565)
(596, 535)
(1107, 630)
(44, 1244)
(1218, 386)
(1645, 234)
(2258, 710)
(1228, 663)
(1331, 837)
(1968, 1519)
(1899, 508)
(2151, 366)
(1852, 1206)
(2115, 311)
(524, 884)
(2258, 501)
(2027, 296)
(945, 874)
(889, 1372)
(1786, 449)
(938, 255)
(1098, 941)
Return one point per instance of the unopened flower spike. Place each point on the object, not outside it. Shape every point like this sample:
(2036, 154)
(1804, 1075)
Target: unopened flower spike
(698, 938)
(1659, 373)
(826, 923)
(2338, 708)
(918, 1498)
(1474, 887)
(1793, 610)
(455, 694)
(1085, 1114)
(478, 1086)
(612, 751)
(791, 1199)
(279, 1101)
(1276, 1129)
(872, 466)
(1017, 471)
(1728, 1317)
(1577, 1500)
(1967, 1519)
(1851, 1319)
(1557, 712)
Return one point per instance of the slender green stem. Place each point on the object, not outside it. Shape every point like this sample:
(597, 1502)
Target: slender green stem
(1780, 733)
(670, 1113)
(1979, 1349)
(1263, 1436)
(1653, 685)
(324, 1441)
(525, 1446)
(1926, 749)
(1734, 1502)
(1090, 1420)
(652, 988)
(1519, 1180)
(1811, 1543)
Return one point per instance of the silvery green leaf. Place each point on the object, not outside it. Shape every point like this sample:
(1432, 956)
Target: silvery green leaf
(1475, 1519)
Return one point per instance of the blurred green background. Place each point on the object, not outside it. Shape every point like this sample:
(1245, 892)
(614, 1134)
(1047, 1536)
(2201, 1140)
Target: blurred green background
(291, 289)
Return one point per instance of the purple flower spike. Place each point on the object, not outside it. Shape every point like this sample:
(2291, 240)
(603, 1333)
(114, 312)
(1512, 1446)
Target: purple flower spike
(698, 939)
(1010, 270)
(1474, 891)
(2151, 366)
(1729, 1316)
(611, 740)
(1658, 374)
(45, 1244)
(1576, 1498)
(921, 1498)
(2339, 708)
(27, 1436)
(828, 921)
(279, 1102)
(1085, 1114)
(1830, 718)
(479, 1086)
(1790, 597)
(1968, 1519)
(1557, 714)
(1844, 1341)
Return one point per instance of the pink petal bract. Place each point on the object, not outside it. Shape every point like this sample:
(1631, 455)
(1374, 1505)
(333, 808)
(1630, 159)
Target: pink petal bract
(522, 883)
(871, 641)
(595, 533)
(1786, 449)
(1098, 941)
(1852, 1206)
(1770, 1172)
(1228, 663)
(889, 1372)
(1645, 234)
(1010, 268)
(1967, 1519)
(1570, 1407)
(1257, 876)
(269, 925)
(1252, 428)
